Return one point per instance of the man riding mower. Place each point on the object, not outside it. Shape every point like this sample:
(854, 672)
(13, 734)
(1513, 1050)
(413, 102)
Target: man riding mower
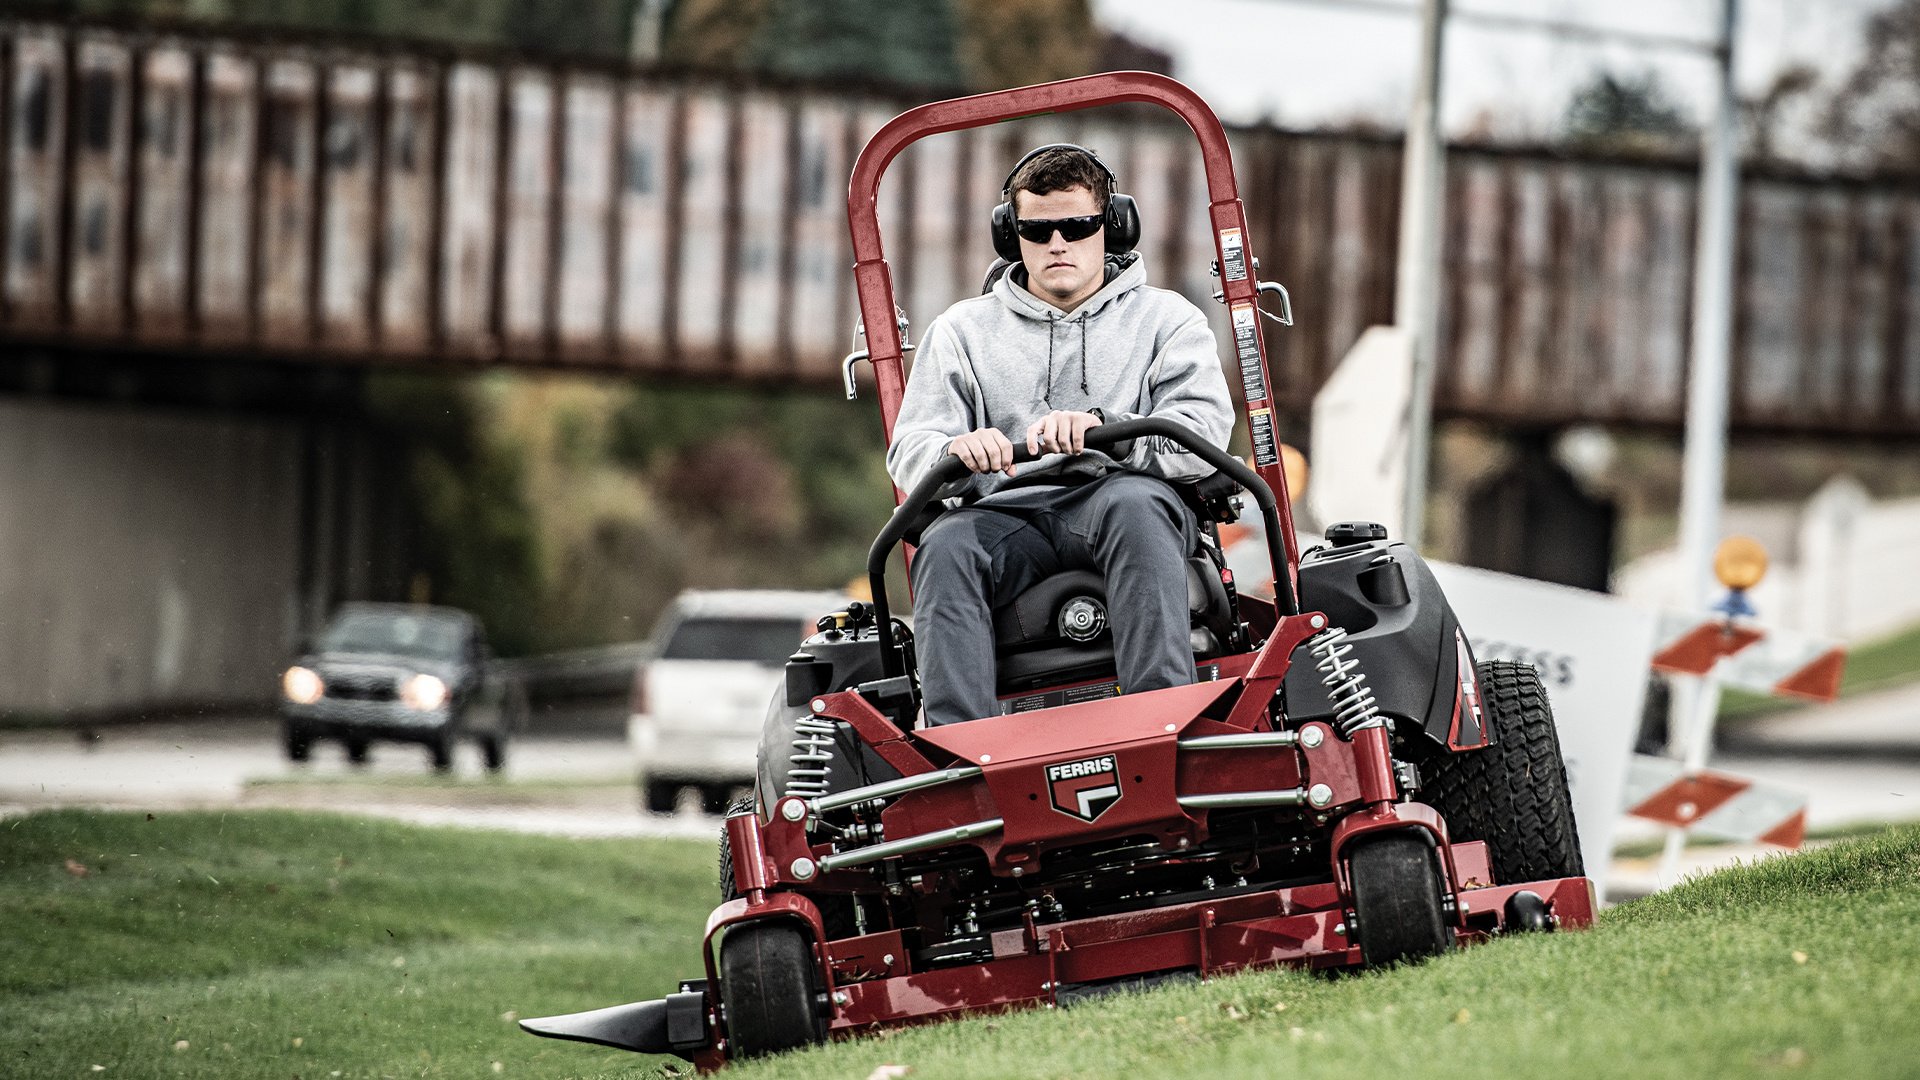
(978, 817)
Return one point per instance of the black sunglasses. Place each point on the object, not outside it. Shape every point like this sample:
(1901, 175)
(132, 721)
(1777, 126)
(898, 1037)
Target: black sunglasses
(1041, 230)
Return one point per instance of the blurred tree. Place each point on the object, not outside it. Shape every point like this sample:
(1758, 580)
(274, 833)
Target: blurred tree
(716, 34)
(1017, 44)
(804, 472)
(1626, 115)
(477, 544)
(905, 42)
(927, 44)
(575, 27)
(1763, 116)
(1874, 117)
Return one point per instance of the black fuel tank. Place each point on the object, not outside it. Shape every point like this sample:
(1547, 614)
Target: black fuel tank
(1403, 634)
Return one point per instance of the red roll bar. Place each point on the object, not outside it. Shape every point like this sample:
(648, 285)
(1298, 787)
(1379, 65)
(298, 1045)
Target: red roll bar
(1229, 226)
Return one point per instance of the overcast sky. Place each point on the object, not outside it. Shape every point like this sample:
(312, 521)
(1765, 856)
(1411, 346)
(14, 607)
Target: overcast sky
(1306, 63)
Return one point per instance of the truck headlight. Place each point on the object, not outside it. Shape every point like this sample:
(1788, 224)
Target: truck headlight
(423, 692)
(302, 686)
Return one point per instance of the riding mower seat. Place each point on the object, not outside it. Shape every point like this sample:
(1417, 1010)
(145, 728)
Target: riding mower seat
(1057, 630)
(1032, 645)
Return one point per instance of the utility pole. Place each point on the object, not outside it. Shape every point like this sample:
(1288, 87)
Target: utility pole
(1416, 293)
(1704, 464)
(1704, 461)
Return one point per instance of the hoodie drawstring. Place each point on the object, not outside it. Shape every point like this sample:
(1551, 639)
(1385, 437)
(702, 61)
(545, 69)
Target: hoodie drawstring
(1083, 356)
(1052, 321)
(1047, 398)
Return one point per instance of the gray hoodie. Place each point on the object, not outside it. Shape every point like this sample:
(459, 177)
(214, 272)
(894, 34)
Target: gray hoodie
(1007, 358)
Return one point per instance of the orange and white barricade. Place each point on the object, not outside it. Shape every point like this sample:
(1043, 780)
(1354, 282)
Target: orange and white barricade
(1712, 804)
(1756, 658)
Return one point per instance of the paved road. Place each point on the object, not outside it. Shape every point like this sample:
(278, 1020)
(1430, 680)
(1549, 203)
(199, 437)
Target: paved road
(568, 784)
(1859, 761)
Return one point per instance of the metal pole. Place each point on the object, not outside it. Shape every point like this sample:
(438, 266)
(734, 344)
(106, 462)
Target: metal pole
(1704, 464)
(1704, 467)
(1416, 294)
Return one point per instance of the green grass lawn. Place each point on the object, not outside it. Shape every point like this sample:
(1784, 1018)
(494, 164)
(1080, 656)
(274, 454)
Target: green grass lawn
(275, 945)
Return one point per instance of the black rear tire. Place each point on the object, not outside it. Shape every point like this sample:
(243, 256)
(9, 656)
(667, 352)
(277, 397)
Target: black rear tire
(1513, 794)
(441, 751)
(1398, 899)
(299, 746)
(357, 751)
(769, 984)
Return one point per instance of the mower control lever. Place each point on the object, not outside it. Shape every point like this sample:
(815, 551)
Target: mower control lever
(1103, 437)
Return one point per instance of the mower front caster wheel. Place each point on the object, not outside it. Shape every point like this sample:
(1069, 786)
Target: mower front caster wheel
(770, 987)
(1398, 904)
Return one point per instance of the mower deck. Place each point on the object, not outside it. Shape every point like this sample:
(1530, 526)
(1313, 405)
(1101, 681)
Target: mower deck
(1302, 927)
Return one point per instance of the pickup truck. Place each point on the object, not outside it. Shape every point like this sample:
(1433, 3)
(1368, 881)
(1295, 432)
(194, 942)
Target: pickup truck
(400, 673)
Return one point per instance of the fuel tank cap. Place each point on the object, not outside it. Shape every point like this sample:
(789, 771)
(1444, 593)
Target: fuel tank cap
(1343, 533)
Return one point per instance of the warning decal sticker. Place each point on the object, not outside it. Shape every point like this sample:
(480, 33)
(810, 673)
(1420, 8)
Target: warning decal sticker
(1266, 450)
(1233, 256)
(1246, 345)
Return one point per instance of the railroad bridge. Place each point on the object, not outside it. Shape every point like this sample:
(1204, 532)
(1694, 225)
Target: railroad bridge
(219, 233)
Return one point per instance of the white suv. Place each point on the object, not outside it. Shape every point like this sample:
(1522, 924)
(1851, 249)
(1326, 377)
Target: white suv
(700, 697)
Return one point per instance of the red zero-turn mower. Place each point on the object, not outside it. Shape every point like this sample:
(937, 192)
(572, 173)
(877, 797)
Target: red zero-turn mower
(1342, 785)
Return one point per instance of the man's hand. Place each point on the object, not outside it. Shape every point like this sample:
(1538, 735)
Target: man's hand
(984, 451)
(1061, 432)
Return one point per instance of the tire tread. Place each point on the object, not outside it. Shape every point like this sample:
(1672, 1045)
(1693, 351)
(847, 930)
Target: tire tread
(1512, 794)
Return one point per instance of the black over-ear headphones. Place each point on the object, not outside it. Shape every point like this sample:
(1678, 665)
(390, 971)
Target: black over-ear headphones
(1123, 218)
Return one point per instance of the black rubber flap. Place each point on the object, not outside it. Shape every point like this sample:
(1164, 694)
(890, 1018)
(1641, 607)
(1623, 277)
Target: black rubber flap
(641, 1026)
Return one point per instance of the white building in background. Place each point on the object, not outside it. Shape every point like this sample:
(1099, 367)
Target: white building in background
(1840, 563)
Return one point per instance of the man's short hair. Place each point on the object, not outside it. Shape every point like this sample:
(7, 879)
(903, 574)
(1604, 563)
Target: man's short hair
(1057, 169)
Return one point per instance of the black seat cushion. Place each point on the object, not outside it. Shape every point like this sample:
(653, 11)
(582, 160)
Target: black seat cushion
(1031, 652)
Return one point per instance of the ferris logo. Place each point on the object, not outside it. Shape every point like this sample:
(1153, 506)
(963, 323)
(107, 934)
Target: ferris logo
(1084, 788)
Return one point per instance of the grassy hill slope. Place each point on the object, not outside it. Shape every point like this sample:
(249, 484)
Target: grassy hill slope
(277, 944)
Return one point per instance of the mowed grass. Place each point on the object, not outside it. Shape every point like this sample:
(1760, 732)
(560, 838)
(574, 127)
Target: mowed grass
(281, 945)
(277, 944)
(1804, 966)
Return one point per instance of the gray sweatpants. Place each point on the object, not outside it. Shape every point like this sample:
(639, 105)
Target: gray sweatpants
(1129, 526)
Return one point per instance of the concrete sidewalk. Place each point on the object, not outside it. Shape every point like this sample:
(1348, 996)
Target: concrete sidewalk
(1882, 724)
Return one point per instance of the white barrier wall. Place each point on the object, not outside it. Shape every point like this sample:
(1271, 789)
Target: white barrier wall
(152, 559)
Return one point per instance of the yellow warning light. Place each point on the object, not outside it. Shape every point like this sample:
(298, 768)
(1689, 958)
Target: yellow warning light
(1740, 562)
(1294, 464)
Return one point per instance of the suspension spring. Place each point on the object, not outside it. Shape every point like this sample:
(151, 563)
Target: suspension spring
(812, 758)
(1354, 709)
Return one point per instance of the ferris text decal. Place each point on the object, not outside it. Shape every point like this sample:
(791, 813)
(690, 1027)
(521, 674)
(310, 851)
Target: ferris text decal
(1084, 788)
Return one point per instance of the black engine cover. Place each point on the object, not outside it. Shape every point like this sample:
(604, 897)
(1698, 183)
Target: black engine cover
(825, 663)
(1404, 636)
